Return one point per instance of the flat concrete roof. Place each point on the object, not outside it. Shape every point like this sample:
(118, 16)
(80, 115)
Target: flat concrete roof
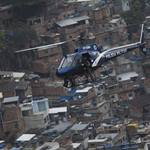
(26, 137)
(126, 76)
(57, 110)
(75, 145)
(83, 90)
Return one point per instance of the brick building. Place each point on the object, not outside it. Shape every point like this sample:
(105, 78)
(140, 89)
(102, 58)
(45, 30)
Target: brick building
(12, 124)
(10, 89)
(6, 14)
(139, 107)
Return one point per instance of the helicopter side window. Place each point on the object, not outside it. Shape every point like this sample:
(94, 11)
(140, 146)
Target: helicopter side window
(79, 60)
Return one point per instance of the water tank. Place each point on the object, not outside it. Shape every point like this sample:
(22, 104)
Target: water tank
(41, 97)
(125, 148)
(119, 78)
(48, 126)
(35, 98)
(100, 148)
(125, 144)
(136, 136)
(117, 147)
(134, 147)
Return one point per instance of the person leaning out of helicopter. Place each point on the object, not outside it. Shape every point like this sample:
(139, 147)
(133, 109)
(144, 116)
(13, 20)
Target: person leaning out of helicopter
(86, 68)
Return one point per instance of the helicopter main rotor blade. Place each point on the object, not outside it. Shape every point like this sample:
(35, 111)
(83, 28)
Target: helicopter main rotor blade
(43, 47)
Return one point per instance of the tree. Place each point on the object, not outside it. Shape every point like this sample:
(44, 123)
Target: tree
(20, 33)
(2, 38)
(20, 3)
(133, 16)
(24, 8)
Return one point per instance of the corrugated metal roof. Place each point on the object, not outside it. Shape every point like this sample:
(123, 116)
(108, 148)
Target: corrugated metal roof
(22, 85)
(80, 18)
(60, 128)
(79, 127)
(6, 73)
(11, 99)
(67, 22)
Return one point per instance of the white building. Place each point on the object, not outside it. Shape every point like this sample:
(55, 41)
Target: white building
(122, 5)
(35, 114)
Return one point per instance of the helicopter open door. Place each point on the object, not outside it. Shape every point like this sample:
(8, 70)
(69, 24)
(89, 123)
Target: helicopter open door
(79, 61)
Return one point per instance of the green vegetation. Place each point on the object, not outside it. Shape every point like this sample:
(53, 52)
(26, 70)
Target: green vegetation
(20, 3)
(20, 33)
(134, 15)
(2, 38)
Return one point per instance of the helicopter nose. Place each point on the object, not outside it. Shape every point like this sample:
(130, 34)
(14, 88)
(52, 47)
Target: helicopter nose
(63, 72)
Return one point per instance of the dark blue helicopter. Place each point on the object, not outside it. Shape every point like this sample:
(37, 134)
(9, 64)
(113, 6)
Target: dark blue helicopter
(71, 66)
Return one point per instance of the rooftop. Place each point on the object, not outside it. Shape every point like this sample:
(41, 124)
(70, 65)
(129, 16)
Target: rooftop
(60, 128)
(11, 99)
(56, 110)
(26, 137)
(22, 85)
(53, 145)
(83, 90)
(67, 22)
(79, 127)
(139, 101)
(126, 76)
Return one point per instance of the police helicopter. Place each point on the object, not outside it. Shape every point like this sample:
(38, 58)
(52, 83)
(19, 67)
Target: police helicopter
(71, 65)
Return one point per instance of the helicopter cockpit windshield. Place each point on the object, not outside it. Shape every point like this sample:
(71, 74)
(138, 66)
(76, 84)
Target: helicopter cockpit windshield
(68, 61)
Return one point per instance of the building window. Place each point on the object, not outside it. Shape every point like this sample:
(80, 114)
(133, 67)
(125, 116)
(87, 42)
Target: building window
(112, 88)
(112, 97)
(120, 86)
(121, 97)
(105, 39)
(64, 16)
(70, 37)
(98, 88)
(92, 144)
(16, 124)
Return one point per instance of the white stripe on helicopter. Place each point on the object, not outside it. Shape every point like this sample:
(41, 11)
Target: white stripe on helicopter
(115, 53)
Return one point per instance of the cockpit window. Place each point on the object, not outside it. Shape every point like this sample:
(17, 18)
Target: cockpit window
(69, 62)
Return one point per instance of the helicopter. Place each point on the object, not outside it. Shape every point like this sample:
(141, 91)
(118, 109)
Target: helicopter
(71, 65)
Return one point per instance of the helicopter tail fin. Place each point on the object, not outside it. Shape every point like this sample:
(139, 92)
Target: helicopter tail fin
(142, 43)
(142, 34)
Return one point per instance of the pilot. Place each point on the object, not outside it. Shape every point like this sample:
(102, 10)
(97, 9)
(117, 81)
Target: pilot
(86, 68)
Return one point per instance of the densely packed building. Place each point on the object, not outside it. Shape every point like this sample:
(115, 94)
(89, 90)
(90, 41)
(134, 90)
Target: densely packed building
(37, 112)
